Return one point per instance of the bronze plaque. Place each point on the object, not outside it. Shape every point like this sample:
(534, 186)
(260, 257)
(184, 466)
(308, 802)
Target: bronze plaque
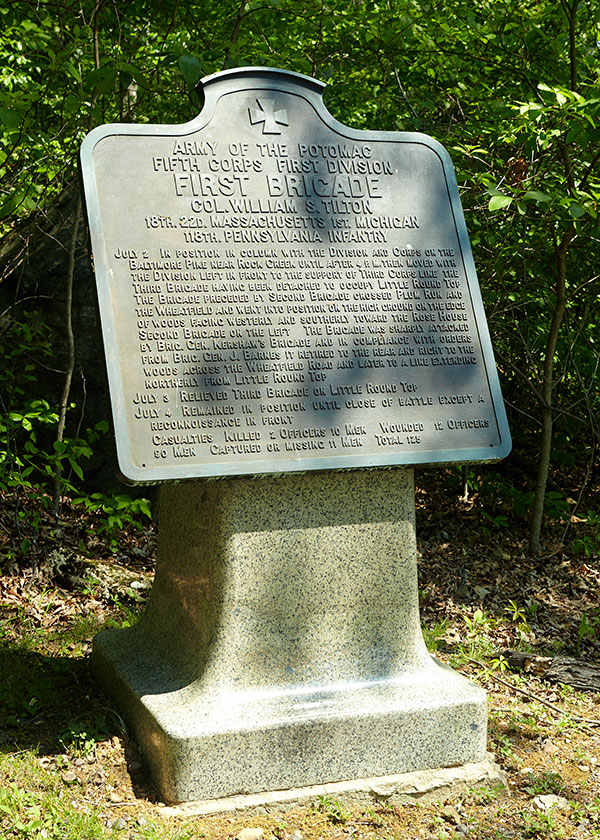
(280, 292)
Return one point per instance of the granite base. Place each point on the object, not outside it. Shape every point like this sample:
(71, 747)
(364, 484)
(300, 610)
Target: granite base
(418, 786)
(281, 646)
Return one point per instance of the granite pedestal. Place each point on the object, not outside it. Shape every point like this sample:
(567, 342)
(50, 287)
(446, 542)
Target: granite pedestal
(281, 645)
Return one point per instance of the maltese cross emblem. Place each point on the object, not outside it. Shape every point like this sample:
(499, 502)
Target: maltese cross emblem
(266, 114)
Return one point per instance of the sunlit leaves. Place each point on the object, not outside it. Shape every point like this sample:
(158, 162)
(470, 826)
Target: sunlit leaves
(489, 78)
(499, 201)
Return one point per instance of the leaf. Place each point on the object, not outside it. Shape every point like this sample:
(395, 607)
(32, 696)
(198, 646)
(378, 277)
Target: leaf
(125, 78)
(11, 119)
(72, 104)
(497, 202)
(536, 195)
(577, 211)
(191, 69)
(71, 70)
(102, 79)
(76, 468)
(144, 507)
(135, 72)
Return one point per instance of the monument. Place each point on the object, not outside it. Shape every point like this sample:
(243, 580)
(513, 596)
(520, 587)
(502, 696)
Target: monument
(290, 316)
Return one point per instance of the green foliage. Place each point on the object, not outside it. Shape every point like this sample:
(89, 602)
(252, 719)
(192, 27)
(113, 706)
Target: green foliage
(128, 615)
(434, 635)
(546, 782)
(495, 81)
(588, 627)
(333, 808)
(477, 643)
(478, 623)
(34, 807)
(498, 521)
(117, 510)
(30, 453)
(589, 542)
(503, 746)
(23, 809)
(80, 739)
(544, 826)
(485, 794)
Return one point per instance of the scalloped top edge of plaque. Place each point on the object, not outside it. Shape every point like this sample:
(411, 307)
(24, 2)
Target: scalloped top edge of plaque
(268, 73)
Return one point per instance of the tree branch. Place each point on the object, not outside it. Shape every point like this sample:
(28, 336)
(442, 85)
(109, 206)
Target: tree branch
(64, 402)
(235, 33)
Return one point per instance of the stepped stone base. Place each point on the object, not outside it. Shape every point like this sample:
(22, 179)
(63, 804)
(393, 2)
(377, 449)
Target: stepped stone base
(281, 646)
(401, 788)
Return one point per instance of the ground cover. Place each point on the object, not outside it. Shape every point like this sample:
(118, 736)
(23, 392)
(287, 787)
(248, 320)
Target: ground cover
(69, 769)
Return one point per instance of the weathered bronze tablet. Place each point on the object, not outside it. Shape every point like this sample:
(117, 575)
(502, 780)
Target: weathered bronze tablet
(280, 292)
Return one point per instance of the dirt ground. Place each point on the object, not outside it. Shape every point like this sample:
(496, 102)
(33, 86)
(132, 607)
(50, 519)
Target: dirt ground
(65, 752)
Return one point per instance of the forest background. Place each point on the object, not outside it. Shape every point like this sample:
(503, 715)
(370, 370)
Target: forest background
(510, 89)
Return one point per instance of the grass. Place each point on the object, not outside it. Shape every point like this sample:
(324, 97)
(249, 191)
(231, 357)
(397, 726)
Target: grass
(68, 769)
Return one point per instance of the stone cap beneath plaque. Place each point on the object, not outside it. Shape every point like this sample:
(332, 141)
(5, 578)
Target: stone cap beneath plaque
(280, 292)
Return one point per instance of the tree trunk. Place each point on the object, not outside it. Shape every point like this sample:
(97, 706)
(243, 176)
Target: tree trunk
(535, 525)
